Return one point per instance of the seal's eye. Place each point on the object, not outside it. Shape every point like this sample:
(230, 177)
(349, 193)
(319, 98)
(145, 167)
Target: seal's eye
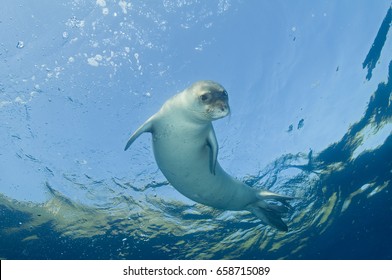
(204, 97)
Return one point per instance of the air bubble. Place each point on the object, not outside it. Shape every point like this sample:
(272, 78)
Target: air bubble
(20, 45)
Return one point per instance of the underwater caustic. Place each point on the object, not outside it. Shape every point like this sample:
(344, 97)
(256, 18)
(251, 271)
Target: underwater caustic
(168, 130)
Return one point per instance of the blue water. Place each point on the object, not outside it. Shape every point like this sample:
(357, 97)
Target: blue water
(310, 89)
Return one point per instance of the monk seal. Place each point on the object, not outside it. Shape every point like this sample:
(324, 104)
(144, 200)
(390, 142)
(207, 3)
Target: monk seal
(186, 151)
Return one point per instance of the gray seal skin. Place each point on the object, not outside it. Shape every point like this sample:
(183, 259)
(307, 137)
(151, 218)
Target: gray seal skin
(186, 150)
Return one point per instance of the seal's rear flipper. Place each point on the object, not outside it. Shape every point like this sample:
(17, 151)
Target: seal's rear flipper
(146, 127)
(267, 195)
(270, 208)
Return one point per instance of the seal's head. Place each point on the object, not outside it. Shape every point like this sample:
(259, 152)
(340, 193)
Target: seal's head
(209, 100)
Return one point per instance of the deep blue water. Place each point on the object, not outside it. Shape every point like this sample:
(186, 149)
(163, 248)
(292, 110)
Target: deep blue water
(310, 87)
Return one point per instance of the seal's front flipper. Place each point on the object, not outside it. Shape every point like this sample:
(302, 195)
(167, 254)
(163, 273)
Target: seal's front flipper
(270, 208)
(213, 144)
(146, 127)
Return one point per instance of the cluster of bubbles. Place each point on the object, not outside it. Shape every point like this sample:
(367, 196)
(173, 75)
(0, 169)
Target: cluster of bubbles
(120, 36)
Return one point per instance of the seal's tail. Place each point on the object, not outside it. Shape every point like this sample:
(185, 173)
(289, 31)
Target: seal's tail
(270, 208)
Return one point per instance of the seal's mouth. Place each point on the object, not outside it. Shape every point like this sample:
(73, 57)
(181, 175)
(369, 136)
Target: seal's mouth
(218, 110)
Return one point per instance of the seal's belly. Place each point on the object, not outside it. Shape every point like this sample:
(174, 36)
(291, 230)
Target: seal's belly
(186, 165)
(179, 152)
(183, 164)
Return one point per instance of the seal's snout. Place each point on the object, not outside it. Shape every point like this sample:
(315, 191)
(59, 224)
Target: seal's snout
(223, 107)
(220, 109)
